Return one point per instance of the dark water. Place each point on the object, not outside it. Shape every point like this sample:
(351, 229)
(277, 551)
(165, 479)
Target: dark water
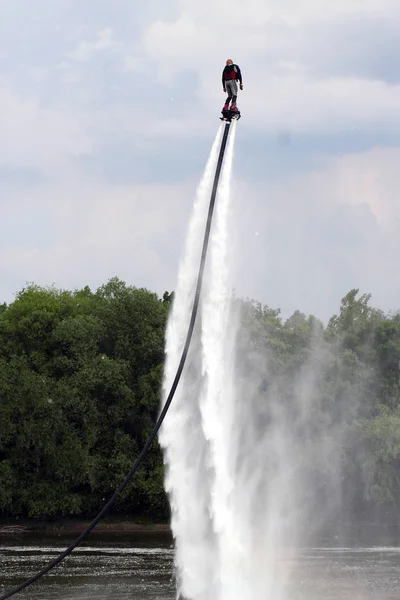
(112, 567)
(122, 567)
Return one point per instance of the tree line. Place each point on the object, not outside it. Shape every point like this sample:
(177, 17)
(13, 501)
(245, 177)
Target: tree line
(80, 384)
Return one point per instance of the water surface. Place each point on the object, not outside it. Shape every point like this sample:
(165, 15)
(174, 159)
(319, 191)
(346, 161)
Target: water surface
(129, 566)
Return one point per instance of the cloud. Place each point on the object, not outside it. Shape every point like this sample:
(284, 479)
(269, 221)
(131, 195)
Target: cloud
(85, 50)
(107, 117)
(133, 63)
(80, 232)
(319, 234)
(36, 136)
(300, 243)
(295, 60)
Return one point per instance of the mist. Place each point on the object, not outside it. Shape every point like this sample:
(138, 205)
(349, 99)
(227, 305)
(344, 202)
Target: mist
(267, 444)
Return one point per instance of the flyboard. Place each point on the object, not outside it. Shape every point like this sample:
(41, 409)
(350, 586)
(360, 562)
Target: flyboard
(229, 114)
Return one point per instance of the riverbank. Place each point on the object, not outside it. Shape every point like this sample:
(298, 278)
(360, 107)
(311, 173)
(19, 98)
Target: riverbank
(77, 526)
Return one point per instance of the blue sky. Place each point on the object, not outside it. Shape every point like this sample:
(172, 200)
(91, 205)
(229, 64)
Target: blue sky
(108, 111)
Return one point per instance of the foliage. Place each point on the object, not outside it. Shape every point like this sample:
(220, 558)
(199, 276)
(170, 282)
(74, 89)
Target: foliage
(80, 375)
(80, 380)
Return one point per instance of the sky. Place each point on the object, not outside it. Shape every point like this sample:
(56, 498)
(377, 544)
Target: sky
(108, 111)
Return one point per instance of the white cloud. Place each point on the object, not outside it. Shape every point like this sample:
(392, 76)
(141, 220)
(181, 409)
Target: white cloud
(85, 50)
(323, 233)
(94, 231)
(279, 48)
(134, 63)
(301, 243)
(302, 104)
(75, 230)
(35, 136)
(313, 69)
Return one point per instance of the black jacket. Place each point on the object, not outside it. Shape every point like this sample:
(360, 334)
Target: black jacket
(231, 72)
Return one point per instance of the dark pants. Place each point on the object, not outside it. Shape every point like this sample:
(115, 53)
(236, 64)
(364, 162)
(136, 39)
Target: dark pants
(232, 89)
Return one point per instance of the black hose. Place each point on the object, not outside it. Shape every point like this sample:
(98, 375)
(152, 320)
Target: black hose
(164, 411)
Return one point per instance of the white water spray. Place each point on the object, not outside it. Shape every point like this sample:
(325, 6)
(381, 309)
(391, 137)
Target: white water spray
(217, 398)
(211, 453)
(252, 459)
(193, 433)
(181, 436)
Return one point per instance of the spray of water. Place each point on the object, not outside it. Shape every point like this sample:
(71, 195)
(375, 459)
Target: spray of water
(185, 447)
(216, 400)
(237, 452)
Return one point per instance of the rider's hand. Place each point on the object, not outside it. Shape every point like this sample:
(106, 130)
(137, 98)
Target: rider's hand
(241, 86)
(224, 90)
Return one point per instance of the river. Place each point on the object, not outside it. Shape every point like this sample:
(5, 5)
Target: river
(125, 566)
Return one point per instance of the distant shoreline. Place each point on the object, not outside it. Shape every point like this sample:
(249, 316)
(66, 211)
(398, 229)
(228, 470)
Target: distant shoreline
(12, 527)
